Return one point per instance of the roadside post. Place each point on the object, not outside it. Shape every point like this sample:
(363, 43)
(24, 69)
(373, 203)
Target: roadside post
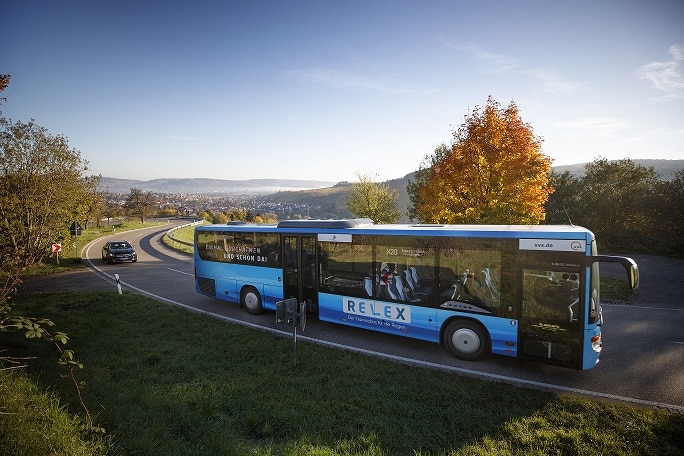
(75, 230)
(288, 310)
(56, 248)
(118, 282)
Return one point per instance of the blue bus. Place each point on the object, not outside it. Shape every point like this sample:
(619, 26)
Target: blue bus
(530, 292)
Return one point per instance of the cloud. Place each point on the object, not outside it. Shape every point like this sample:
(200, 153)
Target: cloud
(345, 80)
(182, 138)
(666, 76)
(503, 64)
(552, 82)
(604, 127)
(593, 123)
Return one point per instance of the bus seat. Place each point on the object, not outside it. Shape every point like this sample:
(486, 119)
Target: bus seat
(414, 273)
(368, 285)
(392, 290)
(399, 284)
(402, 291)
(573, 318)
(409, 280)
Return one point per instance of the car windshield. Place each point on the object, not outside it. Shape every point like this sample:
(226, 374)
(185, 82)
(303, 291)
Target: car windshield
(120, 245)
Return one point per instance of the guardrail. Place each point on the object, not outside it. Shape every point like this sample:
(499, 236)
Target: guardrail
(169, 234)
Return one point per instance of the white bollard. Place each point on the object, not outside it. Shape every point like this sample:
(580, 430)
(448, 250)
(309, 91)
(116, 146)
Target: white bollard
(118, 282)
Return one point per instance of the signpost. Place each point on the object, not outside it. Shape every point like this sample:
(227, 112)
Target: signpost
(75, 229)
(56, 248)
(288, 310)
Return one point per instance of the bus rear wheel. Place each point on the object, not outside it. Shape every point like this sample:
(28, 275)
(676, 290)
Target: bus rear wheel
(467, 340)
(250, 299)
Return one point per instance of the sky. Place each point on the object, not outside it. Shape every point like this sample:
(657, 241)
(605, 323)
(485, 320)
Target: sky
(329, 89)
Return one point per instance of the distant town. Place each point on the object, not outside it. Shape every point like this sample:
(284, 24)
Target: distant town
(186, 205)
(280, 199)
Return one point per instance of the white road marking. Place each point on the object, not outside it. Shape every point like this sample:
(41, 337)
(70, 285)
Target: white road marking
(628, 306)
(181, 272)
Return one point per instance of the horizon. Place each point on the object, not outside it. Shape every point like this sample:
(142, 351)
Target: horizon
(573, 165)
(221, 90)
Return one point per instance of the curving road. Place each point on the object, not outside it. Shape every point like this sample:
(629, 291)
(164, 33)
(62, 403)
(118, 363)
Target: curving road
(642, 361)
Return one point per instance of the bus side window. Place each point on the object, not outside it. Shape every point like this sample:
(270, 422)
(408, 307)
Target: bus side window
(346, 270)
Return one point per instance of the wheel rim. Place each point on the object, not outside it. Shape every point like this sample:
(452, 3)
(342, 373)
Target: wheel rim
(251, 301)
(466, 340)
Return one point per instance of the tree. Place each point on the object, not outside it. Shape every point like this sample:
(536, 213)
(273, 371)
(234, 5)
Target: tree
(91, 201)
(111, 209)
(671, 205)
(376, 201)
(563, 205)
(41, 191)
(495, 172)
(625, 204)
(617, 200)
(4, 82)
(421, 179)
(41, 186)
(141, 204)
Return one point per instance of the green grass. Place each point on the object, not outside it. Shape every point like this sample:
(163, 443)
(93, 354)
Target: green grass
(615, 290)
(165, 381)
(32, 422)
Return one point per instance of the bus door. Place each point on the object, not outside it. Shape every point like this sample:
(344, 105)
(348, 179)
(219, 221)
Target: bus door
(299, 270)
(551, 318)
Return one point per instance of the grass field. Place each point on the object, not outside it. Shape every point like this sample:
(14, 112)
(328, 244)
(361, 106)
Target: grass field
(163, 381)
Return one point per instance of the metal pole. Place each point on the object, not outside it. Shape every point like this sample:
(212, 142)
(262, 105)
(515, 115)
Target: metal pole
(78, 254)
(294, 339)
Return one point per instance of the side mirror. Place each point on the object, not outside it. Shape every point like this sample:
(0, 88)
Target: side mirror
(629, 264)
(633, 272)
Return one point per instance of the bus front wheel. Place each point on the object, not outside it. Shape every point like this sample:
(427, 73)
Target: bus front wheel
(467, 340)
(251, 300)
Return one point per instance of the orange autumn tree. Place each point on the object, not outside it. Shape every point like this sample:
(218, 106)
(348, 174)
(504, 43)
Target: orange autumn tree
(494, 173)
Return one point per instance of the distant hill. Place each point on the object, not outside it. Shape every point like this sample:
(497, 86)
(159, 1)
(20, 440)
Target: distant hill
(330, 197)
(665, 168)
(333, 200)
(199, 186)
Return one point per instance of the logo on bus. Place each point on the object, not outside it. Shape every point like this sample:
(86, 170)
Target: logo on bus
(377, 310)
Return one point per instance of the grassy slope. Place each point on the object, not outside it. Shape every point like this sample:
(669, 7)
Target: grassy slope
(32, 422)
(194, 385)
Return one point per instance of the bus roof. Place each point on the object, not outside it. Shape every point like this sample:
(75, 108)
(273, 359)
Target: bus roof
(365, 226)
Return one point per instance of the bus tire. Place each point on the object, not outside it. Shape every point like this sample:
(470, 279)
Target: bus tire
(250, 299)
(466, 339)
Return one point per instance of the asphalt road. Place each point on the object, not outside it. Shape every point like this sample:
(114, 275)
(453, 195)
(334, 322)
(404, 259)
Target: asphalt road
(642, 361)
